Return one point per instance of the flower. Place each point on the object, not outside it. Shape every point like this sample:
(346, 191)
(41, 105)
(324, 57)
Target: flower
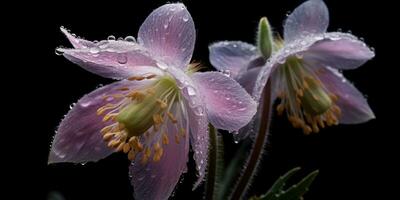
(303, 69)
(159, 104)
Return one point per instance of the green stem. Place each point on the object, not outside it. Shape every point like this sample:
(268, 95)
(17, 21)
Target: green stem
(257, 148)
(215, 164)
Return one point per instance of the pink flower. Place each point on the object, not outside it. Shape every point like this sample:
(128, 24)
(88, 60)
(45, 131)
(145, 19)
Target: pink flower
(158, 106)
(303, 70)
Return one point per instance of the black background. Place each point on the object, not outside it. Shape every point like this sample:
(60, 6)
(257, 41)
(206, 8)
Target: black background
(353, 159)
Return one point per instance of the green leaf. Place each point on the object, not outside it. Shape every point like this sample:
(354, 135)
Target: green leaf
(295, 192)
(215, 164)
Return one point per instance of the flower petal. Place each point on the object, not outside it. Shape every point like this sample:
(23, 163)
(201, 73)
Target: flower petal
(344, 52)
(311, 17)
(78, 137)
(77, 43)
(169, 34)
(233, 56)
(228, 105)
(199, 138)
(157, 180)
(248, 79)
(354, 106)
(110, 59)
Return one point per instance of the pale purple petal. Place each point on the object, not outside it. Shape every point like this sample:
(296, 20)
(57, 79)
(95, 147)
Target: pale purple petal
(300, 49)
(169, 34)
(77, 43)
(157, 180)
(199, 139)
(233, 56)
(229, 106)
(248, 79)
(343, 52)
(354, 106)
(110, 59)
(311, 17)
(78, 138)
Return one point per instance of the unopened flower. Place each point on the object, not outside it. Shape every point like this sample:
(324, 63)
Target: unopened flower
(303, 69)
(158, 106)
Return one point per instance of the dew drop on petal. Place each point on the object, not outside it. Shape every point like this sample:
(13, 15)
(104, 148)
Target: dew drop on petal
(185, 18)
(226, 72)
(111, 37)
(58, 51)
(94, 50)
(122, 58)
(130, 39)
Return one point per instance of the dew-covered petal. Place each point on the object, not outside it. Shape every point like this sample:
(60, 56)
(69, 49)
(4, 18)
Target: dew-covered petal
(157, 180)
(341, 52)
(353, 104)
(78, 138)
(169, 34)
(248, 79)
(199, 139)
(110, 59)
(233, 56)
(311, 17)
(229, 106)
(76, 42)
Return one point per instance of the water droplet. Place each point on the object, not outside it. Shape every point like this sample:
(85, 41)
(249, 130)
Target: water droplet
(226, 72)
(120, 38)
(281, 60)
(183, 49)
(122, 58)
(130, 38)
(235, 46)
(299, 56)
(94, 50)
(191, 91)
(165, 25)
(227, 98)
(215, 91)
(111, 37)
(58, 51)
(162, 66)
(185, 18)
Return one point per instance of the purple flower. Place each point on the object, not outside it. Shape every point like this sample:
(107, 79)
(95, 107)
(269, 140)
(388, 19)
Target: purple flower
(303, 70)
(158, 106)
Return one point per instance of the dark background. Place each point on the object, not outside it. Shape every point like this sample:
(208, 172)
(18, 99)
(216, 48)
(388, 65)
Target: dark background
(355, 162)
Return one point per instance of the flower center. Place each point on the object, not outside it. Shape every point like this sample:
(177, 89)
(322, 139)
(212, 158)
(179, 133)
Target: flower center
(308, 103)
(139, 119)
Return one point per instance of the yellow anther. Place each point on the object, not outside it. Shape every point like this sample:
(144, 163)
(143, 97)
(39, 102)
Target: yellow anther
(307, 129)
(113, 143)
(108, 136)
(131, 155)
(151, 91)
(126, 147)
(172, 118)
(136, 78)
(136, 95)
(315, 128)
(120, 146)
(280, 108)
(336, 110)
(123, 88)
(158, 119)
(183, 132)
(110, 116)
(177, 139)
(300, 93)
(151, 76)
(106, 129)
(117, 96)
(157, 155)
(165, 139)
(157, 146)
(101, 110)
(333, 97)
(162, 104)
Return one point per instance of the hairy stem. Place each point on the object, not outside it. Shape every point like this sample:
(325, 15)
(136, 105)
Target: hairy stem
(215, 164)
(258, 146)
